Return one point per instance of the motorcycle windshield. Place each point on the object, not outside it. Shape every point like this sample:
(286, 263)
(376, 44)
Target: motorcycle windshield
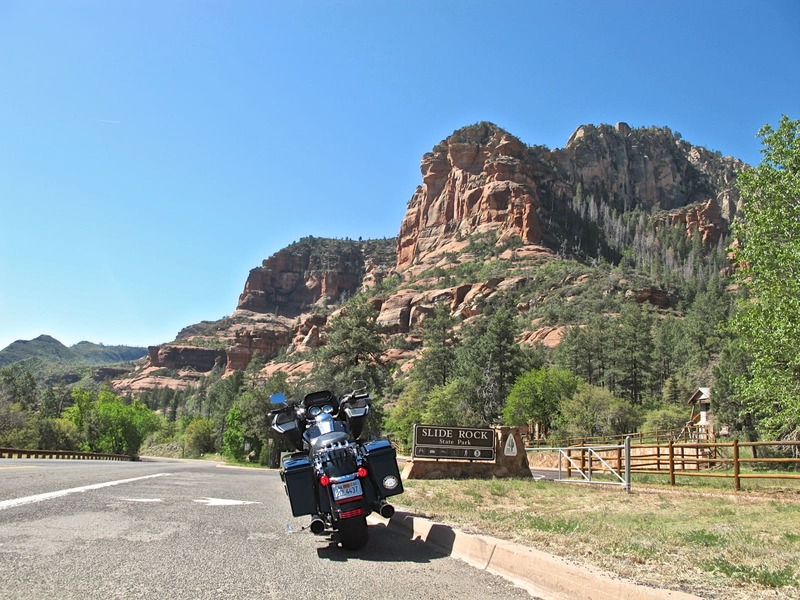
(325, 424)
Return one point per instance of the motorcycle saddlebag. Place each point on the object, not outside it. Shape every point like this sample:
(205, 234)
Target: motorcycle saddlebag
(298, 476)
(382, 460)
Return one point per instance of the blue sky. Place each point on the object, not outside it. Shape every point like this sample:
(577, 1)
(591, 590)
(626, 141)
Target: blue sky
(153, 152)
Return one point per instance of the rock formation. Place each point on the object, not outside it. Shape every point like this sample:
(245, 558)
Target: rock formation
(483, 180)
(480, 186)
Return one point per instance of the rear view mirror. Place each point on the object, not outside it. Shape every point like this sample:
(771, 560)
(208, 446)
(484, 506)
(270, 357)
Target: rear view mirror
(278, 399)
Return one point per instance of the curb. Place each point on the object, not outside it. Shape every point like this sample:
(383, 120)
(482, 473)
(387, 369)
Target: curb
(544, 575)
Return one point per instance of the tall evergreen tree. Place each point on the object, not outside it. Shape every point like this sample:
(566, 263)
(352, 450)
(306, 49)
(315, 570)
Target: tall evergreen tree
(490, 359)
(353, 350)
(436, 364)
(633, 356)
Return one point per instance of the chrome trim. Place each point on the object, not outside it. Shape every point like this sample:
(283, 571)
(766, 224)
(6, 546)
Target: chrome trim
(344, 478)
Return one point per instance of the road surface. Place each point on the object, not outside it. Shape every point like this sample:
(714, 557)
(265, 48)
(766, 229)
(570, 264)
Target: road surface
(172, 529)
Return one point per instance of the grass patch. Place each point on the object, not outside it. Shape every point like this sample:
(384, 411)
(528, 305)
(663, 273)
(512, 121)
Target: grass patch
(701, 537)
(760, 575)
(714, 543)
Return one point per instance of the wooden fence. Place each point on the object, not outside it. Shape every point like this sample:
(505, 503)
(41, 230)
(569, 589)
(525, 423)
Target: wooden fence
(688, 433)
(61, 454)
(724, 460)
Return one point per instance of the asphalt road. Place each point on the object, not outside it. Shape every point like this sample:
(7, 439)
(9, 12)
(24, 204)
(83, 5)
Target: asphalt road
(171, 529)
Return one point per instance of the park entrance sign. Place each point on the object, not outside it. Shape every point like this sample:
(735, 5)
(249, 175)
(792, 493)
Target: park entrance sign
(464, 443)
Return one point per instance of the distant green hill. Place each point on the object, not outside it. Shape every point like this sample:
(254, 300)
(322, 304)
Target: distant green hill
(48, 358)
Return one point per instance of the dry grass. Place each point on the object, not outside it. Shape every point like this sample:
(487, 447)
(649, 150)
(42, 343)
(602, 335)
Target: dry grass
(713, 543)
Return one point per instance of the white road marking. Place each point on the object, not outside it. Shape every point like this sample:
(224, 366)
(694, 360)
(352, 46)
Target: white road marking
(142, 499)
(85, 488)
(223, 502)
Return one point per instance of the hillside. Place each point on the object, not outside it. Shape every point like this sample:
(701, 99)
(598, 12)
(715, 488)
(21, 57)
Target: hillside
(51, 361)
(618, 214)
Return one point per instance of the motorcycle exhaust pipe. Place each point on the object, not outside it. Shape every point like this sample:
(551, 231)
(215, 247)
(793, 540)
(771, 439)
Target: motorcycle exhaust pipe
(386, 510)
(317, 526)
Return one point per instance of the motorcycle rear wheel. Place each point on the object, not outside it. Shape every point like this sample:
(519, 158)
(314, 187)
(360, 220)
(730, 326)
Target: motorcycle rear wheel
(353, 533)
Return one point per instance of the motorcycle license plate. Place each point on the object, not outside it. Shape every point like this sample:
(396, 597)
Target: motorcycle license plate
(347, 490)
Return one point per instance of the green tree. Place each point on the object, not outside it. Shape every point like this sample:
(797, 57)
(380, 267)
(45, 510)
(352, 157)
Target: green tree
(705, 321)
(353, 350)
(587, 350)
(448, 405)
(436, 364)
(595, 412)
(536, 395)
(198, 437)
(17, 386)
(233, 440)
(406, 412)
(490, 359)
(768, 261)
(105, 423)
(634, 352)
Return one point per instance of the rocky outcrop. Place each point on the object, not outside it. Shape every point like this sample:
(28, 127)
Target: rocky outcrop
(482, 180)
(704, 218)
(315, 272)
(171, 356)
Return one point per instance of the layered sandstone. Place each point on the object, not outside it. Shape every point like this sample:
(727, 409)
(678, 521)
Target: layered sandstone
(482, 180)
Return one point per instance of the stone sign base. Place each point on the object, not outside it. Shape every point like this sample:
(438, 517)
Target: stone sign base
(511, 461)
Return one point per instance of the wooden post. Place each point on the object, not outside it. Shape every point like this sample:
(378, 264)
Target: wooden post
(569, 463)
(658, 456)
(628, 464)
(671, 463)
(736, 483)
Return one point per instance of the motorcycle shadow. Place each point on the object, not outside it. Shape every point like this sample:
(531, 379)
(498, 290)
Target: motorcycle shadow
(387, 545)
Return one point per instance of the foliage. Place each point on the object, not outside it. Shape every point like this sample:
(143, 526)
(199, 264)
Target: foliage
(450, 405)
(233, 439)
(595, 412)
(768, 260)
(667, 418)
(199, 437)
(436, 363)
(103, 422)
(490, 360)
(536, 395)
(353, 350)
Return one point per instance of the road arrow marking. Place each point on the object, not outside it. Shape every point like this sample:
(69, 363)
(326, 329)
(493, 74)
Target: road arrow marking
(223, 502)
(85, 488)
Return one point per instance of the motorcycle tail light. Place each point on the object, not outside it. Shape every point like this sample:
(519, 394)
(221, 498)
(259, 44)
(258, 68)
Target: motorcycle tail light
(362, 472)
(324, 480)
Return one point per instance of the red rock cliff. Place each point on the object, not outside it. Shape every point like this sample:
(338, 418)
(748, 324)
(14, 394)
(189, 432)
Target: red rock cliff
(483, 180)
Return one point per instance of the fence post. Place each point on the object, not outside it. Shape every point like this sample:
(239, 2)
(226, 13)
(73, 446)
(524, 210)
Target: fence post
(683, 458)
(736, 482)
(671, 463)
(569, 463)
(590, 464)
(658, 457)
(628, 464)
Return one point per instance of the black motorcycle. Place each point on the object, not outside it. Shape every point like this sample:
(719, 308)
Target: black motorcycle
(334, 476)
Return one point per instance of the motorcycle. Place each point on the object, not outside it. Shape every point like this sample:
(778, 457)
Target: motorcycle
(334, 475)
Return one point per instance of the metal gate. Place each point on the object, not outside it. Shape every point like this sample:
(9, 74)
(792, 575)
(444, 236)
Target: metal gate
(585, 465)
